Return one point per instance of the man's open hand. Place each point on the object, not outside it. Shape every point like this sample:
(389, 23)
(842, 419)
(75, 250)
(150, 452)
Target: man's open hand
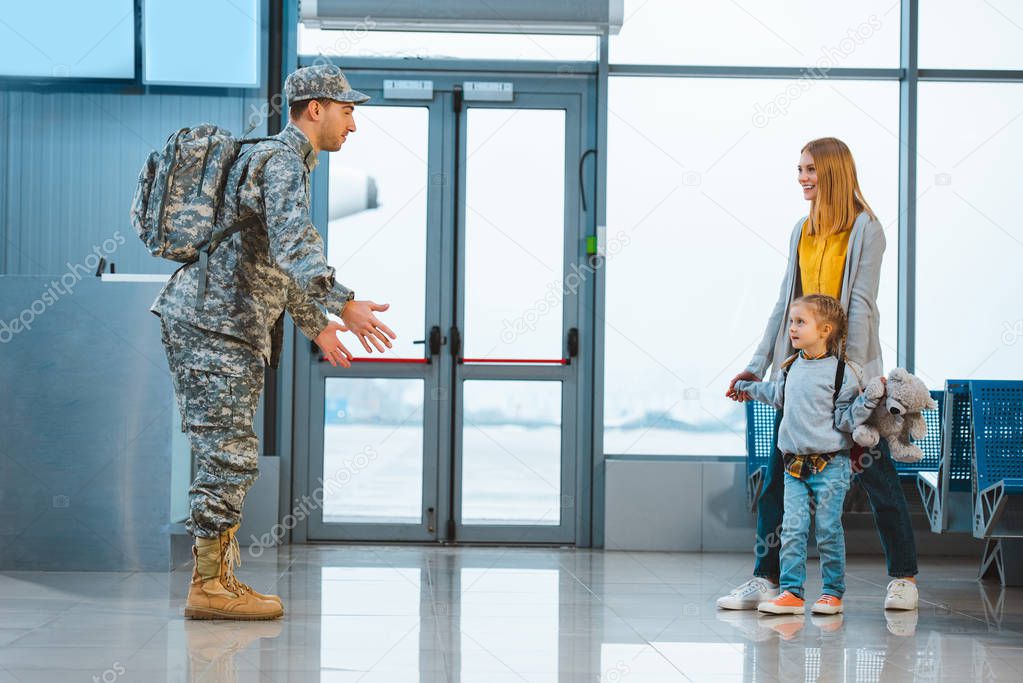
(360, 319)
(333, 349)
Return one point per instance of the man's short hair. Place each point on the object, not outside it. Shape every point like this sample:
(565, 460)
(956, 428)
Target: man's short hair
(296, 109)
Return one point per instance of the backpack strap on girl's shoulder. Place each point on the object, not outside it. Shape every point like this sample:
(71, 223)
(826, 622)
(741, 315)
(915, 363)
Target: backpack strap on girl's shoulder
(839, 378)
(788, 362)
(785, 364)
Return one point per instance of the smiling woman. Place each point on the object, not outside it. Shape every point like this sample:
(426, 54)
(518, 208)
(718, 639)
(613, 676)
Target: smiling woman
(714, 215)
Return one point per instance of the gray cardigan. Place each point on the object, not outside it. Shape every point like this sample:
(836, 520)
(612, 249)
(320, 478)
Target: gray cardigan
(860, 280)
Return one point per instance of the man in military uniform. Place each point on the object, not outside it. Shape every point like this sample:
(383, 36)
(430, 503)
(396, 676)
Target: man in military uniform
(221, 324)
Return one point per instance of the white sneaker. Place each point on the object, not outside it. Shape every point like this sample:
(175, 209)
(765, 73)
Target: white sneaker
(749, 594)
(902, 594)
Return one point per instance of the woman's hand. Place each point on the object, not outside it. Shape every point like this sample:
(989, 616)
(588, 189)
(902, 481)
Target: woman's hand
(358, 316)
(740, 396)
(333, 350)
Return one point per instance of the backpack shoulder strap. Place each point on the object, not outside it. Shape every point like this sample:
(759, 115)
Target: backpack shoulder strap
(785, 365)
(252, 143)
(204, 253)
(839, 379)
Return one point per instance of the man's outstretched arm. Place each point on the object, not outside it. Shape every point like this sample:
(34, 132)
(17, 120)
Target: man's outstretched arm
(297, 248)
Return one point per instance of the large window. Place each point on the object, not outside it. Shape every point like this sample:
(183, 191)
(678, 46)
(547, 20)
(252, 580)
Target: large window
(759, 32)
(703, 135)
(222, 38)
(67, 39)
(971, 34)
(698, 242)
(969, 312)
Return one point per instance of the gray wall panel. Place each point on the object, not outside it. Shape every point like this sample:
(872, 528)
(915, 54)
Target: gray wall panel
(71, 160)
(86, 417)
(652, 505)
(700, 506)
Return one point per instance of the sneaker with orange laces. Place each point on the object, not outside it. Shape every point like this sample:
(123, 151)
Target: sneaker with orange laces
(786, 603)
(827, 604)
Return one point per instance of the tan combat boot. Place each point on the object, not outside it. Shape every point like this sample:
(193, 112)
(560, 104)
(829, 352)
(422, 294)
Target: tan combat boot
(215, 593)
(233, 530)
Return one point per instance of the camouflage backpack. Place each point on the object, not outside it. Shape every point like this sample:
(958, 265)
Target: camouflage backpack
(176, 209)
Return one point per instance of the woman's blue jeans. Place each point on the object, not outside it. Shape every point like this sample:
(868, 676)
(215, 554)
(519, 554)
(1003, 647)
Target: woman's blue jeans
(821, 495)
(880, 481)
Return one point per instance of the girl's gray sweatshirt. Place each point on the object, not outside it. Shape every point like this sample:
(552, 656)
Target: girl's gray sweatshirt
(812, 420)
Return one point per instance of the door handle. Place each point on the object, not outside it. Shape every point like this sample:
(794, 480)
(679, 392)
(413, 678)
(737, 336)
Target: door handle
(435, 340)
(456, 344)
(573, 344)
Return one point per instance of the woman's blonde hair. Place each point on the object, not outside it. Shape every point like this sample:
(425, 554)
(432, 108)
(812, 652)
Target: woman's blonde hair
(839, 199)
(828, 309)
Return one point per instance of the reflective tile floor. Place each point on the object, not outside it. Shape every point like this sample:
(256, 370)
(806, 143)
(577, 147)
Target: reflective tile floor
(382, 613)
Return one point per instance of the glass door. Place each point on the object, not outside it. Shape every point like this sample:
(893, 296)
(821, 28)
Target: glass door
(373, 427)
(515, 383)
(463, 214)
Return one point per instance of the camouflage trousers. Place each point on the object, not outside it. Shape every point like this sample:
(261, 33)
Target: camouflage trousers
(217, 382)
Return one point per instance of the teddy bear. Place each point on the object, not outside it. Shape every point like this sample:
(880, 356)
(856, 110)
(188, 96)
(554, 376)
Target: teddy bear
(897, 418)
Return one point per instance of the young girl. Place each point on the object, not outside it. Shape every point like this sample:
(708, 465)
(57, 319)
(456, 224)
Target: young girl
(819, 391)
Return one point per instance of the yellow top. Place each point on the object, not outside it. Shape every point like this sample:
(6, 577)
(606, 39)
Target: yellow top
(822, 261)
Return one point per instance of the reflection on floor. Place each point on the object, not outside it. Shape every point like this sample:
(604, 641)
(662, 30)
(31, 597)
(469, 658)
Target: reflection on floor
(384, 613)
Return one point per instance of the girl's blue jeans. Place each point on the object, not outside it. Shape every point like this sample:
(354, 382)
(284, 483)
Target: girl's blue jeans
(879, 479)
(821, 494)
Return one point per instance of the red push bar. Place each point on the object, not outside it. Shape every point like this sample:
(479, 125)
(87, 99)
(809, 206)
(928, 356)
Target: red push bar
(552, 361)
(533, 361)
(323, 359)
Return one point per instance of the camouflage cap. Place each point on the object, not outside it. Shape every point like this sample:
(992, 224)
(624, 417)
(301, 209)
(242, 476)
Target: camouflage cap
(322, 80)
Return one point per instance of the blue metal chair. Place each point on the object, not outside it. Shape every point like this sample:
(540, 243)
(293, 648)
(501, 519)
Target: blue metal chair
(998, 449)
(997, 466)
(946, 492)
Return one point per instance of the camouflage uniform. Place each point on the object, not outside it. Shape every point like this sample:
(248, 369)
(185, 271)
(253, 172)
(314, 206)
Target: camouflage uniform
(217, 381)
(217, 345)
